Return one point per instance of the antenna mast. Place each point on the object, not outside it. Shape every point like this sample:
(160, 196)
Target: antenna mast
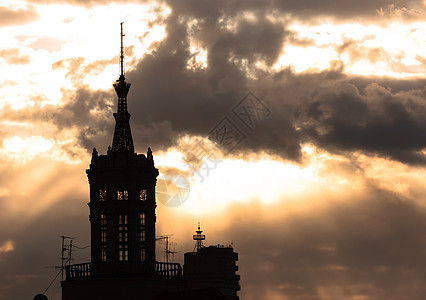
(167, 247)
(121, 51)
(63, 249)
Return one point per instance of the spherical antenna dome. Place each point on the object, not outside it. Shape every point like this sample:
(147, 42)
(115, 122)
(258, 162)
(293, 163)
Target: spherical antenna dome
(40, 297)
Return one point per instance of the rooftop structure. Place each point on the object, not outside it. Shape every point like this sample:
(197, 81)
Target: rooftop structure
(198, 238)
(212, 266)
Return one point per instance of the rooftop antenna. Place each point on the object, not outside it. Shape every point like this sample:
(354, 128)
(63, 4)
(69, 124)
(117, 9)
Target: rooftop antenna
(121, 51)
(167, 250)
(170, 249)
(63, 249)
(198, 238)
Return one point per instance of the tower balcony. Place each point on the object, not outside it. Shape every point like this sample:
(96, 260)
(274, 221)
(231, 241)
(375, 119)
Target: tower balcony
(162, 270)
(77, 271)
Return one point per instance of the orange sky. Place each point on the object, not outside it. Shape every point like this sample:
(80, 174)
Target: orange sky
(323, 197)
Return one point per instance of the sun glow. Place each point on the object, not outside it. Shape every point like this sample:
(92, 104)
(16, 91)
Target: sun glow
(363, 49)
(241, 181)
(26, 146)
(78, 32)
(311, 59)
(213, 182)
(7, 246)
(198, 59)
(23, 149)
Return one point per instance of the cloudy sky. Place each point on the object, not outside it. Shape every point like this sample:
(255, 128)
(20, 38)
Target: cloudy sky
(297, 128)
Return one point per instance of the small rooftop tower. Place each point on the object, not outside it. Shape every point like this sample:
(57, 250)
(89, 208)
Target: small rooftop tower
(198, 238)
(211, 267)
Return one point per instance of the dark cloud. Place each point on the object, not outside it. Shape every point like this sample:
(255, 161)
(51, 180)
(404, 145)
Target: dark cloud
(374, 119)
(89, 112)
(343, 9)
(168, 98)
(404, 12)
(193, 101)
(86, 2)
(334, 111)
(15, 17)
(298, 9)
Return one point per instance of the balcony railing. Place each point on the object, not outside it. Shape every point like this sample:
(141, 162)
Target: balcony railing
(162, 269)
(168, 270)
(77, 271)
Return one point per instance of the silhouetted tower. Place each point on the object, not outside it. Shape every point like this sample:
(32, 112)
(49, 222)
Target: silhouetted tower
(198, 238)
(211, 267)
(122, 223)
(122, 134)
(122, 199)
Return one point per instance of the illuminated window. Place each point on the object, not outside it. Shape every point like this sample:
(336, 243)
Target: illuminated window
(123, 238)
(102, 195)
(123, 253)
(142, 236)
(142, 253)
(103, 236)
(103, 219)
(103, 222)
(104, 253)
(122, 195)
(122, 219)
(142, 195)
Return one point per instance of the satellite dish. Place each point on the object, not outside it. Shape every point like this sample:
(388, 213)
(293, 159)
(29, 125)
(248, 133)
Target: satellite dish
(40, 297)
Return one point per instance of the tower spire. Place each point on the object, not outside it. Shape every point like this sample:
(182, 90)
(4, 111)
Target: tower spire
(122, 135)
(121, 51)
